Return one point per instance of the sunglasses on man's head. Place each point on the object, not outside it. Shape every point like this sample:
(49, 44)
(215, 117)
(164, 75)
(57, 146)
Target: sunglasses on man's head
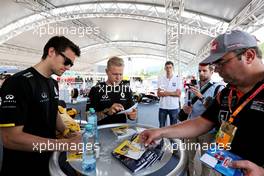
(67, 61)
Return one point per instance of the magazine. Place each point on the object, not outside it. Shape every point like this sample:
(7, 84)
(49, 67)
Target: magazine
(132, 149)
(139, 158)
(219, 159)
(71, 156)
(123, 131)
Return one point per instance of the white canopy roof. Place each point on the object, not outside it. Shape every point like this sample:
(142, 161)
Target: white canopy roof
(106, 28)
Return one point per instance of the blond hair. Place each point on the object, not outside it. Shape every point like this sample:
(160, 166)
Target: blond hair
(115, 61)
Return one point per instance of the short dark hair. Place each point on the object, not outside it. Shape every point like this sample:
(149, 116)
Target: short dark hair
(60, 44)
(169, 63)
(211, 67)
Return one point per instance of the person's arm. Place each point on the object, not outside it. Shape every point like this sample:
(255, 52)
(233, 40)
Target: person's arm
(132, 115)
(160, 89)
(116, 107)
(14, 138)
(163, 93)
(187, 129)
(196, 92)
(187, 109)
(60, 126)
(159, 92)
(176, 93)
(249, 168)
(102, 114)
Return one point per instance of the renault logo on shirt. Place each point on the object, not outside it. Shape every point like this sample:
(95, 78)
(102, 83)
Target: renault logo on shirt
(9, 97)
(122, 95)
(44, 95)
(105, 96)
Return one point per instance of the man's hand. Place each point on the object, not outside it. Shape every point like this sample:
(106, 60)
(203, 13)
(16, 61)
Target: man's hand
(132, 115)
(249, 168)
(196, 91)
(148, 137)
(116, 107)
(187, 109)
(163, 94)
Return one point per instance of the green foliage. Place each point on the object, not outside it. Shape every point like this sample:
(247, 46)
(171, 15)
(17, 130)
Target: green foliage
(261, 46)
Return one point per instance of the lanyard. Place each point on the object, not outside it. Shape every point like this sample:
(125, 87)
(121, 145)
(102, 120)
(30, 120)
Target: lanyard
(234, 114)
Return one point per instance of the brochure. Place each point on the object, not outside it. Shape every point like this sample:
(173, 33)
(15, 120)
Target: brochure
(128, 110)
(219, 159)
(123, 131)
(131, 149)
(139, 158)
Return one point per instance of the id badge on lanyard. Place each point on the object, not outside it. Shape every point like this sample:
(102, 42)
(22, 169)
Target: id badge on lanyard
(227, 130)
(226, 134)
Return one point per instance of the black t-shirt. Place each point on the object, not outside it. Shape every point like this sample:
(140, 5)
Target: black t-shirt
(31, 100)
(104, 96)
(248, 140)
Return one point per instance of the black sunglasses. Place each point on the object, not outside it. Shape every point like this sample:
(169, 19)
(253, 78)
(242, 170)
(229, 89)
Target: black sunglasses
(67, 61)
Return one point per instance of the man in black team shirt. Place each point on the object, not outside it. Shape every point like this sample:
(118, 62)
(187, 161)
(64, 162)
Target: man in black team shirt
(112, 96)
(238, 60)
(29, 112)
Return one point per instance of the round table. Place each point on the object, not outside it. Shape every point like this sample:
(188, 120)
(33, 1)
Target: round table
(171, 163)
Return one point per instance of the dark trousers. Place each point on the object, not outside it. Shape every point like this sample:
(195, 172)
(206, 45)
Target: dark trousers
(163, 116)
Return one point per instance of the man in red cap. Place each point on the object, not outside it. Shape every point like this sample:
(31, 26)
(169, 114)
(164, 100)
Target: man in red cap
(238, 109)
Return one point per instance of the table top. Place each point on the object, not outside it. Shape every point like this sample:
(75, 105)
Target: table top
(106, 164)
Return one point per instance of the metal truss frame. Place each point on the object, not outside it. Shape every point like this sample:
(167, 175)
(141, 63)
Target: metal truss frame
(244, 20)
(46, 13)
(172, 31)
(172, 16)
(14, 49)
(125, 44)
(137, 44)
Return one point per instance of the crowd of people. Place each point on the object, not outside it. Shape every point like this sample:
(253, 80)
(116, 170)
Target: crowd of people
(29, 108)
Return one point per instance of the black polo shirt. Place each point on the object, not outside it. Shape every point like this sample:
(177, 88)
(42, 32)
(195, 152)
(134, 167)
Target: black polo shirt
(31, 100)
(104, 96)
(248, 140)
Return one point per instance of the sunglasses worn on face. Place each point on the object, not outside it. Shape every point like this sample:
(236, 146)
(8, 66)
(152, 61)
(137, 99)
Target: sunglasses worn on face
(67, 61)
